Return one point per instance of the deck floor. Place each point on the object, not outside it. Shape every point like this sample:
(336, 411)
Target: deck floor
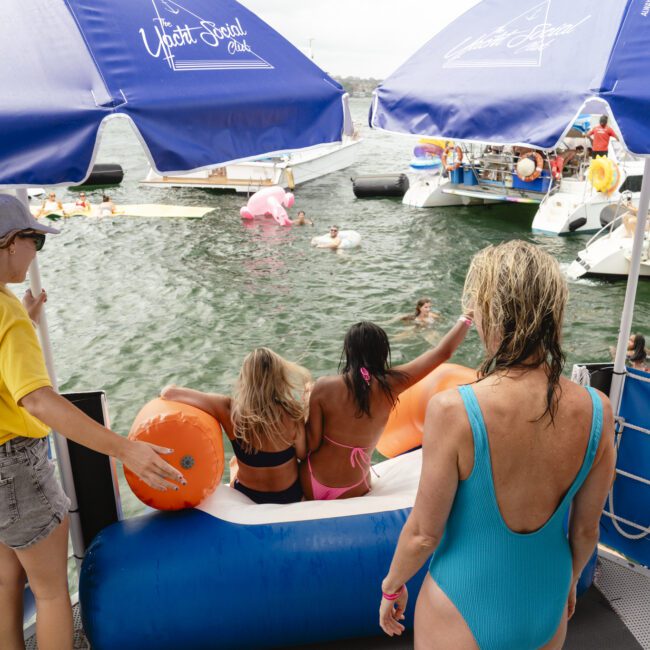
(613, 615)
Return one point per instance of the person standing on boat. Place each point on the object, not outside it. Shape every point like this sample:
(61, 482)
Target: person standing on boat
(600, 136)
(348, 412)
(33, 506)
(504, 461)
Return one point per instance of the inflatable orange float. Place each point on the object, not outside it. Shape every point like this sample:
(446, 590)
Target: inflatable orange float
(403, 430)
(198, 453)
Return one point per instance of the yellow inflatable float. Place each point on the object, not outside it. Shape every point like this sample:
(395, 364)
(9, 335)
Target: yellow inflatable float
(403, 430)
(604, 175)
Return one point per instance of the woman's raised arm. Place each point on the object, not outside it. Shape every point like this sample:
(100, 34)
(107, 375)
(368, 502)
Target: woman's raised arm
(413, 371)
(218, 406)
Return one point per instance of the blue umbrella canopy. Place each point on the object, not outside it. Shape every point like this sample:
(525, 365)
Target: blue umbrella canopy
(203, 81)
(520, 72)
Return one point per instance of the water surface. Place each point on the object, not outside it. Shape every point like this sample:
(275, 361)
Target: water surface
(135, 304)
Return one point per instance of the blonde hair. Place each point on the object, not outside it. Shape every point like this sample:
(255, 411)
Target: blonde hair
(269, 389)
(519, 293)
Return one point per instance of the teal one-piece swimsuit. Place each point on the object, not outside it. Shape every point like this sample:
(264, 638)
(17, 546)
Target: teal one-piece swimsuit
(511, 588)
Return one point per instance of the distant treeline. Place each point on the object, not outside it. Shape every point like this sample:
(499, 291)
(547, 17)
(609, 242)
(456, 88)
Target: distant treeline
(357, 87)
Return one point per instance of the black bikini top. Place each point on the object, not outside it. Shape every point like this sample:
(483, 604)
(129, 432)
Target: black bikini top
(262, 458)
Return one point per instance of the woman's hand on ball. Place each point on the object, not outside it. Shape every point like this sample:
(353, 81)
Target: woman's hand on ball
(143, 459)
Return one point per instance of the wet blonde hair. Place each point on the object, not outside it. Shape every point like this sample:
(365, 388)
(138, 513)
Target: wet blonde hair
(269, 389)
(519, 293)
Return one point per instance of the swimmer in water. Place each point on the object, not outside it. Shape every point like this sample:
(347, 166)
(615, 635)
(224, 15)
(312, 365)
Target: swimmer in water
(334, 240)
(423, 314)
(300, 220)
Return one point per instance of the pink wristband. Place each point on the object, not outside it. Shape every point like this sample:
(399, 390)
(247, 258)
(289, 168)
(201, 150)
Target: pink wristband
(394, 596)
(466, 320)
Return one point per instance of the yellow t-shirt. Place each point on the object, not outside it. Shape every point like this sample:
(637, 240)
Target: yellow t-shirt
(22, 369)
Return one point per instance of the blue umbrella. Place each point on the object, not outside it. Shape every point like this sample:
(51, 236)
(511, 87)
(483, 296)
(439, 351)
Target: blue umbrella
(520, 72)
(203, 82)
(513, 72)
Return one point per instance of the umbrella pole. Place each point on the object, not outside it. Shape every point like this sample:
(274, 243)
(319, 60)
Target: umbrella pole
(60, 443)
(630, 294)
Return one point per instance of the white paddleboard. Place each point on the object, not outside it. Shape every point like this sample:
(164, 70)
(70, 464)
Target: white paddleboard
(143, 210)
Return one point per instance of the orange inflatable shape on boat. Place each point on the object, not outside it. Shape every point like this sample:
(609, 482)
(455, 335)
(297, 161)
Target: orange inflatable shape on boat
(198, 453)
(403, 430)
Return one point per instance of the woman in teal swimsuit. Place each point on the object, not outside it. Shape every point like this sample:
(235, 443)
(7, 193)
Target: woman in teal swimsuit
(503, 460)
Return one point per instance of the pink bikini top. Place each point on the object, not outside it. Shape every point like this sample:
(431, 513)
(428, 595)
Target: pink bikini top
(359, 457)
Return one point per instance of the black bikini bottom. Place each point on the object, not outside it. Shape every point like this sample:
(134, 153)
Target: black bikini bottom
(290, 495)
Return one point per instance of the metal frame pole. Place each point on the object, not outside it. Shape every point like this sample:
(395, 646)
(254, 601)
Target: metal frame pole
(630, 294)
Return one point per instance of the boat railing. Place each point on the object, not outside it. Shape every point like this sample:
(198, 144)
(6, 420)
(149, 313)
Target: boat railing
(606, 229)
(493, 171)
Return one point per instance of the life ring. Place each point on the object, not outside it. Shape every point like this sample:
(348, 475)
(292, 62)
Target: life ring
(457, 157)
(198, 452)
(604, 175)
(349, 239)
(403, 431)
(539, 166)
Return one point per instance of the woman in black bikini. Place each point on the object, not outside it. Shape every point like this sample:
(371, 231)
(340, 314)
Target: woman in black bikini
(265, 422)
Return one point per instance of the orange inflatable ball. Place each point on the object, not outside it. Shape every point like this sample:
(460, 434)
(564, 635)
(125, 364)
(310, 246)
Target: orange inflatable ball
(198, 453)
(403, 430)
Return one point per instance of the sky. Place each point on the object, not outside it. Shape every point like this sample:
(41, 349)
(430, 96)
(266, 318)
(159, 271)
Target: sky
(361, 38)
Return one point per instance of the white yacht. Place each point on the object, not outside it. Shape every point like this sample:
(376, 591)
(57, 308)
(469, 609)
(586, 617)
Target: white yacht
(486, 174)
(609, 251)
(574, 206)
(286, 169)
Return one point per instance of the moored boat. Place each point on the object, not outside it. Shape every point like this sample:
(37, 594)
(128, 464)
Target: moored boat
(286, 169)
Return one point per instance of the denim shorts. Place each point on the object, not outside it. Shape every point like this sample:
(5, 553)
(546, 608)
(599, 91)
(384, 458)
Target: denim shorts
(32, 501)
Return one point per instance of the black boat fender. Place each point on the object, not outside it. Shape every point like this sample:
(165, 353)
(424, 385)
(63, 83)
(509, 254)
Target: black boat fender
(104, 174)
(378, 185)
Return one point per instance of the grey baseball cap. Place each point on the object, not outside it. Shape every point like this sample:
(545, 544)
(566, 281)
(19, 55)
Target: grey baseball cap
(14, 215)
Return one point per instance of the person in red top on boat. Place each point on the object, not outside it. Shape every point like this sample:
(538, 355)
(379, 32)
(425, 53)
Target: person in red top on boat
(600, 136)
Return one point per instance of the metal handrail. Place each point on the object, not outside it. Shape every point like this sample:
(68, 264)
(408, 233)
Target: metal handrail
(609, 226)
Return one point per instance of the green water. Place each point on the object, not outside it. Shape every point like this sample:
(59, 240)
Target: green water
(135, 304)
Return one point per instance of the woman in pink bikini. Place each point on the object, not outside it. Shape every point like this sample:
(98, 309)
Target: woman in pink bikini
(348, 412)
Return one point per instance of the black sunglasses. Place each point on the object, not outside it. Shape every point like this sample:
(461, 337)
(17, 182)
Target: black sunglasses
(38, 237)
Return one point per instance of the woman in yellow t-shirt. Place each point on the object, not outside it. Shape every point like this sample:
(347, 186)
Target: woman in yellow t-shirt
(33, 506)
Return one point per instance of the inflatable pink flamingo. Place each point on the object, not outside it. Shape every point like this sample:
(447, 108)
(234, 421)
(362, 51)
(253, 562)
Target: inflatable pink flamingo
(270, 201)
